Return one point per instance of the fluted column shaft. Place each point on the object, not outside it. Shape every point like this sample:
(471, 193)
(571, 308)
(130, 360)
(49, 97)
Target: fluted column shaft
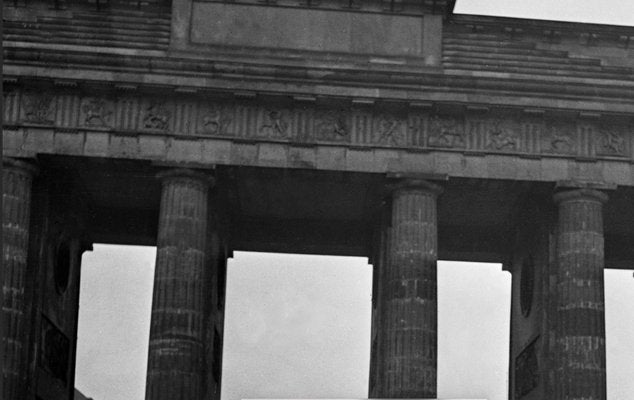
(580, 312)
(411, 293)
(175, 362)
(17, 180)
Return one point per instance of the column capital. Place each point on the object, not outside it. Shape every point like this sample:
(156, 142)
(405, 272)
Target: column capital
(186, 174)
(413, 184)
(580, 194)
(8, 162)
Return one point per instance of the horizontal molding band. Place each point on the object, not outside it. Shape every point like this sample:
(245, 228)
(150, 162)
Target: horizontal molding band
(305, 123)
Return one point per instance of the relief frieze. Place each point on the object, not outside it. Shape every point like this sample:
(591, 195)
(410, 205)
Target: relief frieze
(156, 116)
(96, 112)
(446, 132)
(503, 135)
(39, 108)
(331, 125)
(611, 141)
(559, 137)
(389, 130)
(365, 125)
(215, 120)
(274, 124)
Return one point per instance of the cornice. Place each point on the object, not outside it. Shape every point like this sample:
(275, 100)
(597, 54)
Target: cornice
(395, 83)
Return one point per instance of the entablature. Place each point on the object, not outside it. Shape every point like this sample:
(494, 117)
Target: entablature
(382, 83)
(353, 134)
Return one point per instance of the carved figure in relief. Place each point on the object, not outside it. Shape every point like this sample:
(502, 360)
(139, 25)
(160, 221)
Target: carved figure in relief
(38, 108)
(216, 121)
(560, 139)
(331, 125)
(156, 117)
(275, 124)
(612, 142)
(388, 131)
(561, 144)
(446, 132)
(96, 112)
(501, 138)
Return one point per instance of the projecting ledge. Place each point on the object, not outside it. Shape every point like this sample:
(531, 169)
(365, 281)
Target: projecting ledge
(207, 152)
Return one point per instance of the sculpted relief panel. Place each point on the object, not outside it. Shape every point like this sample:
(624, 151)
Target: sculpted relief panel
(503, 135)
(559, 137)
(308, 123)
(274, 123)
(214, 119)
(156, 116)
(446, 132)
(96, 112)
(38, 108)
(389, 130)
(611, 140)
(332, 125)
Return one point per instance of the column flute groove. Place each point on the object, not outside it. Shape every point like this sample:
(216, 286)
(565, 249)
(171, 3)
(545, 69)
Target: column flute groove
(580, 304)
(411, 293)
(17, 178)
(175, 360)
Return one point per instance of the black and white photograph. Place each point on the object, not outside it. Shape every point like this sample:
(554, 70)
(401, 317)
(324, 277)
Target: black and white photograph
(317, 200)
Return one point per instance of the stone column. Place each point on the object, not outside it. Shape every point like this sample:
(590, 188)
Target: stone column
(175, 361)
(379, 321)
(410, 293)
(580, 312)
(17, 177)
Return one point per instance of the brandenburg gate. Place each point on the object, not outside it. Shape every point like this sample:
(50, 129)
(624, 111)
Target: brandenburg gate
(389, 129)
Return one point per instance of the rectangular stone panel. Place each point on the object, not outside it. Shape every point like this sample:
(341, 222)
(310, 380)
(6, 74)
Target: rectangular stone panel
(306, 29)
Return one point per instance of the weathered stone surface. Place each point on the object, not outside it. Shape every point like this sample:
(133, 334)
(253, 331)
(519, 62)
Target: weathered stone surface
(369, 126)
(359, 138)
(16, 197)
(580, 305)
(411, 294)
(306, 29)
(332, 86)
(176, 333)
(130, 29)
(381, 263)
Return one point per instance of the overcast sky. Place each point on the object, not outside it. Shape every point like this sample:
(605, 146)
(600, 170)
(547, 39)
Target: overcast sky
(299, 326)
(296, 326)
(615, 12)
